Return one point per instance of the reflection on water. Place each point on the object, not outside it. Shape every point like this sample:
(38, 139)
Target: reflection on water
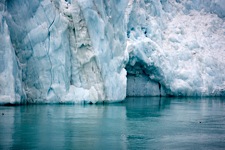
(137, 123)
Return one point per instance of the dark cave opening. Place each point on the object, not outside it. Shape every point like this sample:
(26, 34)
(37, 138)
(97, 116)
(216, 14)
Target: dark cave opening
(139, 82)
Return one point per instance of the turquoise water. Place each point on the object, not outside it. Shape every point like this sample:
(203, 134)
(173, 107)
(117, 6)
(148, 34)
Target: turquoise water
(137, 123)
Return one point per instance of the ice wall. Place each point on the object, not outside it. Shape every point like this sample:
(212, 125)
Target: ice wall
(107, 29)
(11, 90)
(38, 32)
(85, 50)
(179, 44)
(67, 51)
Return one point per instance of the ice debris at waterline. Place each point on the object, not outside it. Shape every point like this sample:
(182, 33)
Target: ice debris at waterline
(86, 50)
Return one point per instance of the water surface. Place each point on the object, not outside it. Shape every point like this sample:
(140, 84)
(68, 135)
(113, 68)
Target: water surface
(137, 123)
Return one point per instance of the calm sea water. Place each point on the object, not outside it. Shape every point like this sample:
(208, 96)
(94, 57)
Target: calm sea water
(137, 123)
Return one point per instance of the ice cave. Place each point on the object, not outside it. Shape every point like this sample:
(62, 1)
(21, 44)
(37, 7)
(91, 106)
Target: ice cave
(71, 51)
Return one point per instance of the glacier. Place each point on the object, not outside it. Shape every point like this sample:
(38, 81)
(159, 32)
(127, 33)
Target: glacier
(73, 51)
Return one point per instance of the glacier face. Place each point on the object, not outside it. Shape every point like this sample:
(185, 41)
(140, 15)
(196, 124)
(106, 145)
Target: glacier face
(93, 50)
(67, 51)
(10, 75)
(179, 45)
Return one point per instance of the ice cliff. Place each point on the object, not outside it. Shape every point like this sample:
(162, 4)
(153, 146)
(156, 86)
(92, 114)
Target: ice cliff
(178, 45)
(55, 51)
